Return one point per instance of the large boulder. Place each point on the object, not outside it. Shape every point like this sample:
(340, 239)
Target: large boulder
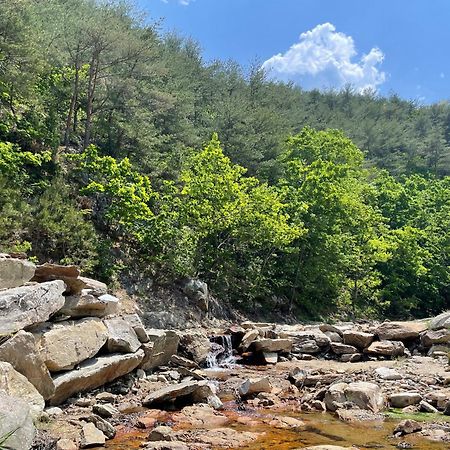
(440, 321)
(386, 348)
(159, 351)
(136, 323)
(197, 291)
(22, 353)
(86, 304)
(15, 421)
(433, 337)
(94, 373)
(15, 272)
(121, 336)
(272, 345)
(65, 344)
(14, 384)
(68, 274)
(300, 337)
(24, 306)
(357, 338)
(196, 345)
(361, 394)
(400, 331)
(250, 336)
(365, 396)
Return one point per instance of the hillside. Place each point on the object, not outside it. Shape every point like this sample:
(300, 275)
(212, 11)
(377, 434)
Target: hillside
(123, 151)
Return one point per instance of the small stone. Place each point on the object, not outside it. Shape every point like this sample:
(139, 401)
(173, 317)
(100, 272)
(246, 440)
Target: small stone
(140, 374)
(386, 373)
(407, 427)
(161, 433)
(106, 397)
(104, 410)
(426, 407)
(255, 386)
(91, 436)
(66, 444)
(53, 411)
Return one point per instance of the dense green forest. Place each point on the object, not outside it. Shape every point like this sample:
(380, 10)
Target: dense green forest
(123, 151)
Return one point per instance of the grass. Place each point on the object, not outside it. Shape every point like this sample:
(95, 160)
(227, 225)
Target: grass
(397, 414)
(5, 437)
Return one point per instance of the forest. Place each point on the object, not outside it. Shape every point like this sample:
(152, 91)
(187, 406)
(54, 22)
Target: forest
(123, 151)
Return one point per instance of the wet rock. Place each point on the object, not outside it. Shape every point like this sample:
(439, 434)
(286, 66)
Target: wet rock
(407, 427)
(358, 415)
(272, 345)
(91, 436)
(68, 274)
(195, 345)
(343, 349)
(175, 391)
(63, 345)
(21, 352)
(386, 373)
(159, 351)
(94, 373)
(164, 445)
(88, 305)
(431, 337)
(220, 437)
(386, 348)
(15, 272)
(400, 331)
(121, 336)
(284, 422)
(138, 327)
(357, 338)
(255, 386)
(14, 384)
(402, 399)
(200, 416)
(18, 418)
(270, 357)
(328, 447)
(24, 306)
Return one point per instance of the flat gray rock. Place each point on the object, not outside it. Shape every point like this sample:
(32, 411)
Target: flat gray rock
(24, 306)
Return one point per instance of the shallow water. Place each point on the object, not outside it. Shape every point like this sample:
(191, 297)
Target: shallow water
(320, 429)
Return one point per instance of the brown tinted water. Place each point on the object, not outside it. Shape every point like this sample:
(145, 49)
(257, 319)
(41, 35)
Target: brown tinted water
(320, 429)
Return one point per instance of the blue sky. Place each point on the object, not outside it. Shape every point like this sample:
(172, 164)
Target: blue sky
(399, 46)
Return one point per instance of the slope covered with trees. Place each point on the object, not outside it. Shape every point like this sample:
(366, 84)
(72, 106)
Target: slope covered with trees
(107, 161)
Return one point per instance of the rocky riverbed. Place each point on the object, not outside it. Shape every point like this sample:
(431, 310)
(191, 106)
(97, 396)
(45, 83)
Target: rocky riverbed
(80, 369)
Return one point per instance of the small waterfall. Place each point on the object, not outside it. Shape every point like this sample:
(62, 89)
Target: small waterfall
(221, 355)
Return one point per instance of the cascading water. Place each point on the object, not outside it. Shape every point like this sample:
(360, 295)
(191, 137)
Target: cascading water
(221, 355)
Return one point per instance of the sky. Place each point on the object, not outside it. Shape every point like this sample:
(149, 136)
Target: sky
(391, 46)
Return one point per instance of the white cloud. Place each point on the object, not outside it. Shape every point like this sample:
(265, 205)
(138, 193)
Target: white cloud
(323, 58)
(442, 75)
(181, 2)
